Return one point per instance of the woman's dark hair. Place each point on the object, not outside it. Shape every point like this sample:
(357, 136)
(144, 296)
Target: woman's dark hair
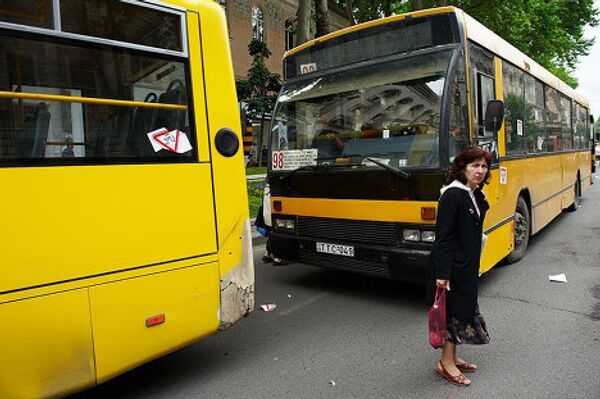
(457, 171)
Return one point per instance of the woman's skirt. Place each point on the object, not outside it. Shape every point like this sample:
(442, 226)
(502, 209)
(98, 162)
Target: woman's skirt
(472, 332)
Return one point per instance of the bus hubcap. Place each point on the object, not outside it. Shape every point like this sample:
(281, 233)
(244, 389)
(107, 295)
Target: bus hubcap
(520, 228)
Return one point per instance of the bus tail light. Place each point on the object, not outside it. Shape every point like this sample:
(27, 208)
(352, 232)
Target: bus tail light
(428, 213)
(155, 320)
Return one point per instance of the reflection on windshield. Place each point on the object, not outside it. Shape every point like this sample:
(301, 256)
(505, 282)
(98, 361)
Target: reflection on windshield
(389, 112)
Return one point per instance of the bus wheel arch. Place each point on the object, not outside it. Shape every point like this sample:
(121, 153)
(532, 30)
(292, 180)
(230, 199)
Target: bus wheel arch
(577, 194)
(522, 230)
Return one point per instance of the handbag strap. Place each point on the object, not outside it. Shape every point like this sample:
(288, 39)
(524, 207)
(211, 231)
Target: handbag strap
(439, 294)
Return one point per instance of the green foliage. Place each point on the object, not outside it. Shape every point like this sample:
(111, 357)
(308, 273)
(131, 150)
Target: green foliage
(549, 31)
(255, 194)
(260, 88)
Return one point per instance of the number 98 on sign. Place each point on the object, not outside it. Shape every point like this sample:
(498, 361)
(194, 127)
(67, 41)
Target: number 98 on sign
(277, 160)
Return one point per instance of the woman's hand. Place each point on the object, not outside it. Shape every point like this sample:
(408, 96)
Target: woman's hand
(443, 284)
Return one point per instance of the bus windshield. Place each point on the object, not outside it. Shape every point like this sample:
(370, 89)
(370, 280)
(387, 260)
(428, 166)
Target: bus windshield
(389, 111)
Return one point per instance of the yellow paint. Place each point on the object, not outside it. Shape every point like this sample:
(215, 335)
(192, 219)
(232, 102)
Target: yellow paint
(187, 297)
(228, 173)
(92, 251)
(500, 243)
(500, 96)
(383, 211)
(88, 100)
(46, 346)
(73, 222)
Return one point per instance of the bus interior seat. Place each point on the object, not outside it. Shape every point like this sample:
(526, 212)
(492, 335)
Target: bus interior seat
(32, 142)
(172, 118)
(112, 134)
(143, 122)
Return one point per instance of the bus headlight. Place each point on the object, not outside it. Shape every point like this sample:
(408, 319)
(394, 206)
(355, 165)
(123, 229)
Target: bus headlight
(411, 235)
(428, 236)
(285, 224)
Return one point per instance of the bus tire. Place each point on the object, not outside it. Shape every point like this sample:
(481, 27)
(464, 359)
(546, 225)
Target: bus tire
(522, 231)
(573, 207)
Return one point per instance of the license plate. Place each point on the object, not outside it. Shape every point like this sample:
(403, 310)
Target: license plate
(335, 249)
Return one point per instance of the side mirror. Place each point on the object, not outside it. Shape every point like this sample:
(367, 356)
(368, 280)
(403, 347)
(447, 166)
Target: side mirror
(494, 115)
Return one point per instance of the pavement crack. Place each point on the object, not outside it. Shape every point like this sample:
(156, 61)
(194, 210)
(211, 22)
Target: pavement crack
(496, 296)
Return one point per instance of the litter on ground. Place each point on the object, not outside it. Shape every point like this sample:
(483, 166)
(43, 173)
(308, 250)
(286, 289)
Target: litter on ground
(268, 307)
(558, 278)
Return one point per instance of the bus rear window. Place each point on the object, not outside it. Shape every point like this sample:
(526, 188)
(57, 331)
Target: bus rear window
(118, 20)
(62, 103)
(374, 42)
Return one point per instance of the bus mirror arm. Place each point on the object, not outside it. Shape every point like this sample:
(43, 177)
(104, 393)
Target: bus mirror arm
(494, 115)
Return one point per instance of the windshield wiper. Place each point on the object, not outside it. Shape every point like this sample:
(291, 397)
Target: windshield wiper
(399, 172)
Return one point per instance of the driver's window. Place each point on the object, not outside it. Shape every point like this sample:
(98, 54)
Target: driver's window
(482, 72)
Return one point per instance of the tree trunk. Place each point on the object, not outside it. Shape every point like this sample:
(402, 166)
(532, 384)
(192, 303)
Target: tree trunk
(322, 13)
(416, 5)
(349, 12)
(387, 8)
(304, 11)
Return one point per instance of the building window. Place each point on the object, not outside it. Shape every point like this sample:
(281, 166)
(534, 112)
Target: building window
(290, 30)
(258, 24)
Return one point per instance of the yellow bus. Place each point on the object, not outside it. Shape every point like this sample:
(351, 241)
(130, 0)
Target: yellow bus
(124, 230)
(370, 118)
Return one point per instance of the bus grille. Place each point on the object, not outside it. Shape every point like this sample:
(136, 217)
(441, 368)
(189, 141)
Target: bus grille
(364, 231)
(342, 263)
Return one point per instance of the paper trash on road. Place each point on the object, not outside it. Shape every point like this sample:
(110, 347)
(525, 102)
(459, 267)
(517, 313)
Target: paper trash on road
(289, 295)
(558, 278)
(268, 307)
(332, 382)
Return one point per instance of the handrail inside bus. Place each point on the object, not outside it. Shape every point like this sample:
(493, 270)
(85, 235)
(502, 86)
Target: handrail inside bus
(88, 100)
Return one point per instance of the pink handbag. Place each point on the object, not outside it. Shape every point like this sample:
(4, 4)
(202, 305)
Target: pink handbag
(437, 319)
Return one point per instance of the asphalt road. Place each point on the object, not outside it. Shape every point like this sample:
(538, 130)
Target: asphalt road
(340, 335)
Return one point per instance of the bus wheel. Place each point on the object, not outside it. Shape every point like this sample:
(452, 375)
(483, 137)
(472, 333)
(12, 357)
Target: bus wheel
(522, 232)
(573, 207)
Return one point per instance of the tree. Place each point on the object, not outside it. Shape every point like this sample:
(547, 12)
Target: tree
(549, 31)
(303, 16)
(259, 90)
(321, 18)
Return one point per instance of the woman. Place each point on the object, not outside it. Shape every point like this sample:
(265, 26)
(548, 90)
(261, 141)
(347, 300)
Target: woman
(455, 257)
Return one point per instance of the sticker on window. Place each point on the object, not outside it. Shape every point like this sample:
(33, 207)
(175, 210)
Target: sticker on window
(293, 159)
(503, 175)
(170, 140)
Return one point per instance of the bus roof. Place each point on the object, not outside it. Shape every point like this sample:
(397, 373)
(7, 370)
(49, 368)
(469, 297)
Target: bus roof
(475, 31)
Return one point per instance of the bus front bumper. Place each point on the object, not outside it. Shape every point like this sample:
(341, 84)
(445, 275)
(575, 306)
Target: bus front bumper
(397, 263)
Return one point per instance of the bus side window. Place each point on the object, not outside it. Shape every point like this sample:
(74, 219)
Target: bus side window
(485, 93)
(483, 89)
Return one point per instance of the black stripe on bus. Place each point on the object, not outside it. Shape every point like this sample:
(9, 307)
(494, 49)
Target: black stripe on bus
(552, 196)
(105, 274)
(500, 224)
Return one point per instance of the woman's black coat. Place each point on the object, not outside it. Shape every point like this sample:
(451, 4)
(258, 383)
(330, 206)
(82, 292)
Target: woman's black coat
(457, 248)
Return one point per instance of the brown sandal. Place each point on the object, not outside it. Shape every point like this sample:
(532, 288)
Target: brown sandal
(466, 367)
(459, 380)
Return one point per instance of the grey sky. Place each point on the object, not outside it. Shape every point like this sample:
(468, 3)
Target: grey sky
(588, 71)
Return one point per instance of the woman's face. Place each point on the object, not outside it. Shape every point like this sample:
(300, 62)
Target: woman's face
(475, 172)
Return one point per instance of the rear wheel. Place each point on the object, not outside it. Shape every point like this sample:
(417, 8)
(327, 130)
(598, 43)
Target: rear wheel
(522, 232)
(577, 195)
